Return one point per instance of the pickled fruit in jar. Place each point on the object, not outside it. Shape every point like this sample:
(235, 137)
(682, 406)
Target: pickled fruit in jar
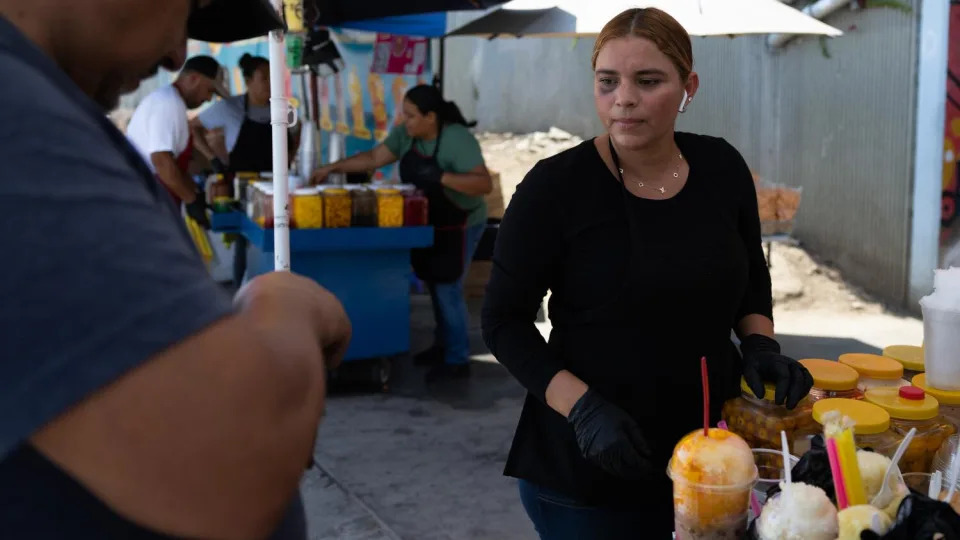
(389, 208)
(307, 209)
(337, 208)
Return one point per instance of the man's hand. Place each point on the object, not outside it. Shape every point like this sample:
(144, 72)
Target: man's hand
(275, 290)
(208, 438)
(197, 210)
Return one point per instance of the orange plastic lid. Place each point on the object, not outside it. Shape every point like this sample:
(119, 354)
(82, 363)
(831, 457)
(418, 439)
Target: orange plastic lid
(869, 419)
(947, 397)
(873, 365)
(910, 356)
(905, 403)
(830, 375)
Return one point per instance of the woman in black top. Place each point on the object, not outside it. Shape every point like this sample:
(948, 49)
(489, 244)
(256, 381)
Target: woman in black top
(649, 240)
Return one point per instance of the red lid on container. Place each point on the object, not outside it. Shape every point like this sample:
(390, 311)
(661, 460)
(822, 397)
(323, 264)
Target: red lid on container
(912, 392)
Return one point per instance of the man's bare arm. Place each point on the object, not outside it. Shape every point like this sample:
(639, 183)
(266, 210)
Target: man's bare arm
(172, 177)
(209, 438)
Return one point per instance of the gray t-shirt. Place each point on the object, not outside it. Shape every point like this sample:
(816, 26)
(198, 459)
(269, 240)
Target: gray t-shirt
(227, 113)
(98, 275)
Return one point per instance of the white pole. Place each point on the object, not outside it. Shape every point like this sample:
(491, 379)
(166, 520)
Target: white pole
(279, 114)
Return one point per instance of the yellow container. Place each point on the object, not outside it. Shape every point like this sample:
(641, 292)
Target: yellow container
(910, 356)
(832, 380)
(875, 370)
(871, 423)
(949, 400)
(337, 208)
(389, 207)
(910, 407)
(307, 209)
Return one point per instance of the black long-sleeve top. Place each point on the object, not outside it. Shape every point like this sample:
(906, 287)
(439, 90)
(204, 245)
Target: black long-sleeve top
(641, 289)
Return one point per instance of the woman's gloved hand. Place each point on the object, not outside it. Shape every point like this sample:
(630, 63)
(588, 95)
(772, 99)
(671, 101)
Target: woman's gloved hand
(427, 176)
(608, 437)
(762, 362)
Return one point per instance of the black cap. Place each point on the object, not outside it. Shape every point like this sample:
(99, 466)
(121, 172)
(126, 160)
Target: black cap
(209, 68)
(223, 21)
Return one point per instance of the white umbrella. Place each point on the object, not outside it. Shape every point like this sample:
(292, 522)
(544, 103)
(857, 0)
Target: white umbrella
(700, 18)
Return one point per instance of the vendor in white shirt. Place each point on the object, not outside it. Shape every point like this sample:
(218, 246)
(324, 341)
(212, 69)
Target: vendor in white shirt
(161, 132)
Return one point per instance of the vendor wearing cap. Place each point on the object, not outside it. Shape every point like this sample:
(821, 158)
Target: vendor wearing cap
(160, 130)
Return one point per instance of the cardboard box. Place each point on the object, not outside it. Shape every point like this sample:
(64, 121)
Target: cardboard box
(495, 205)
(475, 282)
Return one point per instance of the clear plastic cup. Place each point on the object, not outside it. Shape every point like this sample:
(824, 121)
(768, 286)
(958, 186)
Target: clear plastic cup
(709, 512)
(769, 471)
(941, 344)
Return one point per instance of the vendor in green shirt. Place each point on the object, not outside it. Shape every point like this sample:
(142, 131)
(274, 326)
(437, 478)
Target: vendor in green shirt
(439, 155)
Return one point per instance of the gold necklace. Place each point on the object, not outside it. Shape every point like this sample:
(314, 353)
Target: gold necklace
(661, 189)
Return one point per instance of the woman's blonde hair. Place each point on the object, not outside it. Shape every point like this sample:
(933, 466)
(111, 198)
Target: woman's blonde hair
(657, 26)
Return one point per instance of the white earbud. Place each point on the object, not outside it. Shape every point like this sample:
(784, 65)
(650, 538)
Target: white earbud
(683, 104)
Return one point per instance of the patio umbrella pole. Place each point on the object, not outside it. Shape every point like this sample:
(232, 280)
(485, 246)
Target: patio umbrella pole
(279, 113)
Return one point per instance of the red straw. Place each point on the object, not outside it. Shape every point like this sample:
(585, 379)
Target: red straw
(706, 396)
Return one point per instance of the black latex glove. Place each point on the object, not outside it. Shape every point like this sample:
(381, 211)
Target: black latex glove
(762, 362)
(197, 210)
(921, 518)
(427, 176)
(609, 438)
(217, 166)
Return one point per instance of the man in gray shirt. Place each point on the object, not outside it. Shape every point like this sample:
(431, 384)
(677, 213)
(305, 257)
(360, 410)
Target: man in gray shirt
(136, 399)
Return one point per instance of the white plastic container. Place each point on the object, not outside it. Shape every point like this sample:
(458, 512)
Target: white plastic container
(941, 343)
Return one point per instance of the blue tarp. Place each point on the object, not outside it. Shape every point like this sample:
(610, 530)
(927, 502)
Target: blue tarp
(430, 25)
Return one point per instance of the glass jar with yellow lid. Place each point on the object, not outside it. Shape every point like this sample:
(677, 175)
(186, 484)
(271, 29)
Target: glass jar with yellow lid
(871, 424)
(760, 421)
(909, 356)
(337, 207)
(832, 380)
(910, 407)
(949, 400)
(389, 207)
(306, 209)
(875, 370)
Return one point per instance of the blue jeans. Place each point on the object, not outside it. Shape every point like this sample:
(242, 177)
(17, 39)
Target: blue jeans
(560, 517)
(450, 307)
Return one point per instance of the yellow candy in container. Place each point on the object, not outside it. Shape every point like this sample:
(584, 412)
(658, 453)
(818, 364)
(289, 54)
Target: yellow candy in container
(712, 475)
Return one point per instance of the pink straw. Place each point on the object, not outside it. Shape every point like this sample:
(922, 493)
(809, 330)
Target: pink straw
(838, 485)
(755, 504)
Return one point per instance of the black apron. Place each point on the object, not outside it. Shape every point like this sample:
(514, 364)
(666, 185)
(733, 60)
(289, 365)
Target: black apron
(252, 152)
(444, 261)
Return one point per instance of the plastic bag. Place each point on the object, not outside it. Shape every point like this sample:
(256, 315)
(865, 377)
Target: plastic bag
(921, 518)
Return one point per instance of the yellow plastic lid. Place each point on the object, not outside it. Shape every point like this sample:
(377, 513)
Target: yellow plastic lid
(334, 191)
(830, 375)
(947, 397)
(910, 356)
(769, 390)
(247, 175)
(869, 419)
(388, 191)
(873, 365)
(905, 403)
